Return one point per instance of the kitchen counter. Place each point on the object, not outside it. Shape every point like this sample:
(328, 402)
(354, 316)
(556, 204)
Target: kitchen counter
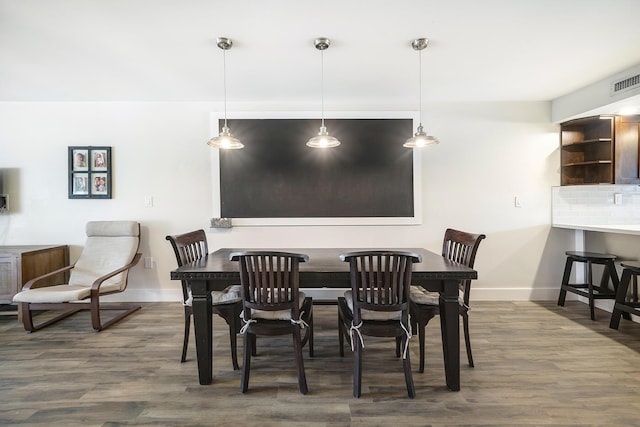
(607, 228)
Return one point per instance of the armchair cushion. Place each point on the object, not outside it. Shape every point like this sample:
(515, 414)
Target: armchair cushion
(109, 246)
(53, 294)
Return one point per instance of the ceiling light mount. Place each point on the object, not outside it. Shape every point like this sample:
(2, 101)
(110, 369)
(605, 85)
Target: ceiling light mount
(225, 139)
(322, 43)
(420, 44)
(420, 138)
(224, 43)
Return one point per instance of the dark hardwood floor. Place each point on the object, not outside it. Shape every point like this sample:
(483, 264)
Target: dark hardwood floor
(536, 365)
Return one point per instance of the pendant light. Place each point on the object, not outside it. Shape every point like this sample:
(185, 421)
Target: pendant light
(322, 139)
(225, 139)
(420, 138)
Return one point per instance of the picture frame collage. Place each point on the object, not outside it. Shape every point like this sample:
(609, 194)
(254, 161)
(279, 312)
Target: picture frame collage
(90, 172)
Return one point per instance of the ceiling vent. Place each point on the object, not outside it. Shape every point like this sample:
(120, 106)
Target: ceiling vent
(626, 84)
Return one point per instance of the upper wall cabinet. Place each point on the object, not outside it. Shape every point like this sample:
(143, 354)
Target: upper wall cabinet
(600, 150)
(627, 160)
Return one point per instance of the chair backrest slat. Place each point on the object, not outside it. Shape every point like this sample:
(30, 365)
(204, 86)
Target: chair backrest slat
(270, 280)
(189, 247)
(380, 280)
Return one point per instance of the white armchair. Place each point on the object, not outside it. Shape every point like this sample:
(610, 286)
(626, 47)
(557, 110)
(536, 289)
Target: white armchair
(102, 269)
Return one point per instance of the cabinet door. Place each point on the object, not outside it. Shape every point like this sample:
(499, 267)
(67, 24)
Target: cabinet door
(627, 154)
(8, 278)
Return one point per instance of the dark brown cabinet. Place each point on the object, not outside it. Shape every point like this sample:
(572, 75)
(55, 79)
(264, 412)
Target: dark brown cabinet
(19, 264)
(600, 150)
(627, 160)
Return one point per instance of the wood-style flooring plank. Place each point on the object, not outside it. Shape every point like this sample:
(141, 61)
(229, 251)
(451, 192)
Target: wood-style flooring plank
(537, 364)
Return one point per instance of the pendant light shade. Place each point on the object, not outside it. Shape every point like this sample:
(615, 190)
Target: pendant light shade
(420, 138)
(225, 139)
(322, 139)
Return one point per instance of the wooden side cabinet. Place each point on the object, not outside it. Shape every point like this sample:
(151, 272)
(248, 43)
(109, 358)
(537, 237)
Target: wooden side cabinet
(600, 150)
(19, 264)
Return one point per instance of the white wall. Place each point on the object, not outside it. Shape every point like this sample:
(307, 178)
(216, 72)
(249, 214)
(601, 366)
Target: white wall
(489, 153)
(597, 98)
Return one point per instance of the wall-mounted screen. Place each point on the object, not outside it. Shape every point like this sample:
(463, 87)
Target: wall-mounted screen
(277, 179)
(4, 188)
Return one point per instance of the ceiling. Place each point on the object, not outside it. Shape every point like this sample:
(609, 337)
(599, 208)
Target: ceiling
(164, 50)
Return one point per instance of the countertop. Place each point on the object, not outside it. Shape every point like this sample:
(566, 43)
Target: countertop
(606, 228)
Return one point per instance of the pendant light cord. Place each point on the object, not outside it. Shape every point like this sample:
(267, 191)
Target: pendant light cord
(224, 80)
(420, 84)
(322, 83)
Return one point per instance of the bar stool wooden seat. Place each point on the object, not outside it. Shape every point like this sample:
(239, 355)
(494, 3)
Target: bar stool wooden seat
(626, 304)
(588, 289)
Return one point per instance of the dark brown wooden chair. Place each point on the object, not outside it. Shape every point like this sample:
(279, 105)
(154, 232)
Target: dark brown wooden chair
(189, 247)
(110, 251)
(273, 305)
(461, 247)
(377, 305)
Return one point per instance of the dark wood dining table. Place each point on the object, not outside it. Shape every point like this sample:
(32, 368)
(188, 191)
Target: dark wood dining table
(325, 270)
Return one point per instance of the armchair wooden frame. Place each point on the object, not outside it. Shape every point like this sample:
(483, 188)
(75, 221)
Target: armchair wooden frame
(27, 308)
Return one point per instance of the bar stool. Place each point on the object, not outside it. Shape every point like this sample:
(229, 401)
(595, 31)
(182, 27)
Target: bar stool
(588, 289)
(626, 304)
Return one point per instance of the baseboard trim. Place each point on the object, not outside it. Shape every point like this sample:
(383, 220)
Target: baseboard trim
(327, 295)
(477, 294)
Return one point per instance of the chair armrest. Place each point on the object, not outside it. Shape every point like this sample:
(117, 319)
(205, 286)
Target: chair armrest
(31, 284)
(98, 282)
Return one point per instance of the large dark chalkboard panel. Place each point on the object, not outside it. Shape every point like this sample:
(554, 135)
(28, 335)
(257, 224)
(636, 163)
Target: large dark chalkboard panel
(277, 176)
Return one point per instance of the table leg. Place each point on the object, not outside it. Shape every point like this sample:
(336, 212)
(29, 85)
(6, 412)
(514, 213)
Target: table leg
(450, 328)
(203, 329)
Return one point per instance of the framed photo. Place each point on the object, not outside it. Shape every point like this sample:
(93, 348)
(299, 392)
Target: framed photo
(99, 160)
(80, 160)
(90, 172)
(80, 184)
(99, 184)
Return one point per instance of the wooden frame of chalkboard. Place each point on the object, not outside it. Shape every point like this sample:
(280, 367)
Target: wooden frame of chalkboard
(277, 180)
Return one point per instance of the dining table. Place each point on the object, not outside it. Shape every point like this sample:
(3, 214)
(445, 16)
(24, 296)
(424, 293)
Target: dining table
(215, 271)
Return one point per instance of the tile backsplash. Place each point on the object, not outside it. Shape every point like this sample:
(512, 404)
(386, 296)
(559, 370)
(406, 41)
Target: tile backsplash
(602, 204)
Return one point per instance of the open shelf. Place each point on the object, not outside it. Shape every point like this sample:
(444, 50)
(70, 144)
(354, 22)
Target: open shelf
(587, 151)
